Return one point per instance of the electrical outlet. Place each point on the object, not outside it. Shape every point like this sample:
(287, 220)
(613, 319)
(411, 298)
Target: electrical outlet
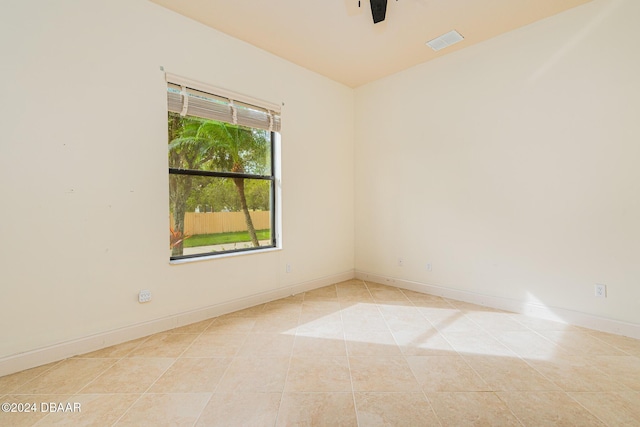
(400, 262)
(144, 296)
(429, 267)
(288, 268)
(601, 290)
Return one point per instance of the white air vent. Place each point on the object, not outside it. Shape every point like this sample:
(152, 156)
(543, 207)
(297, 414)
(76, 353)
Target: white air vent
(445, 40)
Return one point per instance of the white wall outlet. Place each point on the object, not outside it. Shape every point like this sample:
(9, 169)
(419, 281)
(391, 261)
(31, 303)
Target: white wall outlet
(288, 268)
(144, 296)
(400, 262)
(429, 266)
(601, 290)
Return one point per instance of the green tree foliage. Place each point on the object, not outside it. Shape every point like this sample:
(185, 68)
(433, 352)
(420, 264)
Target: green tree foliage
(201, 144)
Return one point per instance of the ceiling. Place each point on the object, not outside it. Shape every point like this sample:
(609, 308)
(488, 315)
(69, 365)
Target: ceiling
(338, 39)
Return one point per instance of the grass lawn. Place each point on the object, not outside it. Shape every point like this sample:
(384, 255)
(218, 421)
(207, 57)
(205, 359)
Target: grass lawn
(224, 238)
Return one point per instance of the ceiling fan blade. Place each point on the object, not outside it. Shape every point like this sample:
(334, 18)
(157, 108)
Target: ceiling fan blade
(378, 10)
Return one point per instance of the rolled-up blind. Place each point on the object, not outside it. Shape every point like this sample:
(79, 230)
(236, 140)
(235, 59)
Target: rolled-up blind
(190, 98)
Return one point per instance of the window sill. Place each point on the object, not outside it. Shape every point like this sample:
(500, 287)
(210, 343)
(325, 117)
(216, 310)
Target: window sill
(219, 256)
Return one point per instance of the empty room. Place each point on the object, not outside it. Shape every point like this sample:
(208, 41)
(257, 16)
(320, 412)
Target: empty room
(320, 213)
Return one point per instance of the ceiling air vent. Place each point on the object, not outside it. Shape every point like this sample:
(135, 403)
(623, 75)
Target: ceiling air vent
(445, 40)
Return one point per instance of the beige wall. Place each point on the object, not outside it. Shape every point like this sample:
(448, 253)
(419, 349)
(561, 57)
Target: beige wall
(83, 163)
(511, 166)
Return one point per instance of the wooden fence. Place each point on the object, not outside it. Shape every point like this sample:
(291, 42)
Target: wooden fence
(223, 222)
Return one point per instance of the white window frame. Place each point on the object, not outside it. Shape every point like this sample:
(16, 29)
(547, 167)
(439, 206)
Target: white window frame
(269, 115)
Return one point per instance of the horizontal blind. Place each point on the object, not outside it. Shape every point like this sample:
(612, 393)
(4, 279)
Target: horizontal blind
(187, 97)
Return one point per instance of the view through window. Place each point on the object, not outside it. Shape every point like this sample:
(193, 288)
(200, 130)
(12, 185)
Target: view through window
(221, 180)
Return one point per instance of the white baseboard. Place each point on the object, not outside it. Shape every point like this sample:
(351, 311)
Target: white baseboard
(63, 350)
(524, 307)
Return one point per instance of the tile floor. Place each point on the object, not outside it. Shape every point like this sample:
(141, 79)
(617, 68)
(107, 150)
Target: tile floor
(350, 354)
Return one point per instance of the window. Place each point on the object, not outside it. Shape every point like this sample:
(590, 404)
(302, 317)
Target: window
(222, 175)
